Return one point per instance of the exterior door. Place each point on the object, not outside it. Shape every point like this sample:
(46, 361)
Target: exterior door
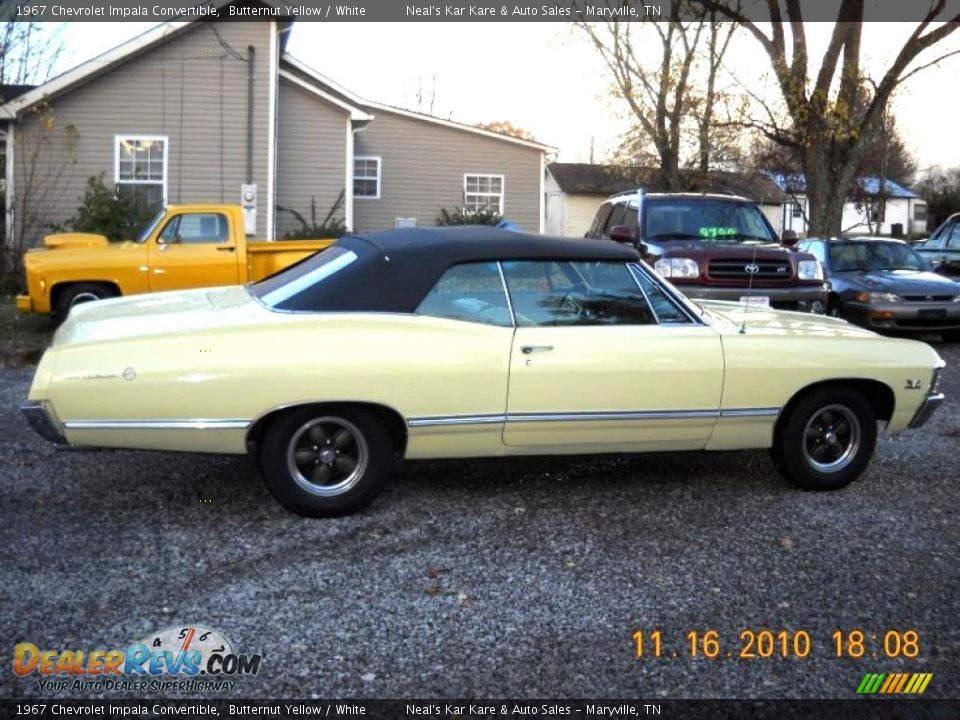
(194, 250)
(597, 363)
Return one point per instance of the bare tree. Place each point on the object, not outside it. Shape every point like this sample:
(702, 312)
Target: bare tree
(662, 88)
(29, 51)
(822, 122)
(28, 55)
(505, 127)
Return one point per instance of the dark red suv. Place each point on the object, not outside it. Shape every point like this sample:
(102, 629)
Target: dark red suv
(714, 247)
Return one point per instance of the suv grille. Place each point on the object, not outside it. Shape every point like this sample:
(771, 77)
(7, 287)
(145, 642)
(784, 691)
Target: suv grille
(740, 269)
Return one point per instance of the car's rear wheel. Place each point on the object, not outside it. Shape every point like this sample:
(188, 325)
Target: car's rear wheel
(827, 439)
(80, 293)
(326, 461)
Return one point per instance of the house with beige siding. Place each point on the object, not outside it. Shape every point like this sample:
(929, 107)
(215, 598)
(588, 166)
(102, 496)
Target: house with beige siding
(206, 111)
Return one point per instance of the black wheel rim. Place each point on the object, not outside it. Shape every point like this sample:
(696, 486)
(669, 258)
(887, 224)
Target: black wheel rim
(327, 456)
(831, 438)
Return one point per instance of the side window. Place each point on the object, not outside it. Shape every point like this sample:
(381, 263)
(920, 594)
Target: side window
(668, 313)
(472, 292)
(600, 220)
(816, 249)
(590, 293)
(617, 217)
(195, 228)
(953, 240)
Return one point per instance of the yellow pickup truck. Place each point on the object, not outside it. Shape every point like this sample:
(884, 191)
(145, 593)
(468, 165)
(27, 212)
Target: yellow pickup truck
(184, 246)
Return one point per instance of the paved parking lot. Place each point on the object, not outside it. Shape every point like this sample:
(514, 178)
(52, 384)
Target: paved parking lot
(497, 578)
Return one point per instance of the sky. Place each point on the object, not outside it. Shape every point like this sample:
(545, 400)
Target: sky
(545, 78)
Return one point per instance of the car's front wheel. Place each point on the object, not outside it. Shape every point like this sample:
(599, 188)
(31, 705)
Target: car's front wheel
(827, 439)
(326, 461)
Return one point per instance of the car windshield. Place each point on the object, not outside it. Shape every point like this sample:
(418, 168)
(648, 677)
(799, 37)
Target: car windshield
(148, 228)
(287, 284)
(875, 255)
(707, 221)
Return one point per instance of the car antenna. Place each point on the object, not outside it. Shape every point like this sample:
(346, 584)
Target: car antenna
(746, 298)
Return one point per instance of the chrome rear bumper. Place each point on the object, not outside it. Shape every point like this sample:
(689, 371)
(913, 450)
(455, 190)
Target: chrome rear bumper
(42, 424)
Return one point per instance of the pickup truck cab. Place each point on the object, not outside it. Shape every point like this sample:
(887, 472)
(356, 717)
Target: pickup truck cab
(714, 247)
(184, 246)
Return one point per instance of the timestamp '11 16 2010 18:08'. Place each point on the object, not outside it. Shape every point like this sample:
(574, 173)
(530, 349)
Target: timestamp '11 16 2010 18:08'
(758, 644)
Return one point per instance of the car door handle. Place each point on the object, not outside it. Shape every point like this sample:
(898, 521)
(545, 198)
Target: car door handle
(527, 349)
(226, 249)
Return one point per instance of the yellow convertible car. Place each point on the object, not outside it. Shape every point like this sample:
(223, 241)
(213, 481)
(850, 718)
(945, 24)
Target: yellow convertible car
(470, 342)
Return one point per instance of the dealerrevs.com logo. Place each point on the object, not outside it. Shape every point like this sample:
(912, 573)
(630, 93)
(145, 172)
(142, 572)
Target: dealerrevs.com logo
(193, 658)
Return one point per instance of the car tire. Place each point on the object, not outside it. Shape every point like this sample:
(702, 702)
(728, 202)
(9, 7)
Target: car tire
(326, 461)
(827, 439)
(81, 293)
(834, 308)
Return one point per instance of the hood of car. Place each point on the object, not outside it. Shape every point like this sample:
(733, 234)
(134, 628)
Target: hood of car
(157, 314)
(732, 317)
(901, 282)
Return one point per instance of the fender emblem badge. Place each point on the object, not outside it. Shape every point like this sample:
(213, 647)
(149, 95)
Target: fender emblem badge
(913, 384)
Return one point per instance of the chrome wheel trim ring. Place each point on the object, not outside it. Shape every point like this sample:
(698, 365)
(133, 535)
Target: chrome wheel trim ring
(356, 450)
(83, 298)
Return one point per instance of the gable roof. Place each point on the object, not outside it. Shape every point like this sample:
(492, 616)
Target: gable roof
(331, 86)
(606, 180)
(870, 184)
(111, 58)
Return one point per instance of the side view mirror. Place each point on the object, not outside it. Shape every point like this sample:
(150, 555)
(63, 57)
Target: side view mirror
(621, 234)
(790, 238)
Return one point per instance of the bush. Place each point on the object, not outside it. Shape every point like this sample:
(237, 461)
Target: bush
(108, 212)
(331, 227)
(462, 216)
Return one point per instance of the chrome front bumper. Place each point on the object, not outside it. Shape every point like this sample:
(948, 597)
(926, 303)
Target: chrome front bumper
(38, 418)
(929, 406)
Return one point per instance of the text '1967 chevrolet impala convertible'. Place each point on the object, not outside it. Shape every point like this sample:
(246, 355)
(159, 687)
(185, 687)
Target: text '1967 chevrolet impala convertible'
(470, 342)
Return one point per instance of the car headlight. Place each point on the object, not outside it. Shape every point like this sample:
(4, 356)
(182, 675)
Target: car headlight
(677, 268)
(872, 297)
(810, 270)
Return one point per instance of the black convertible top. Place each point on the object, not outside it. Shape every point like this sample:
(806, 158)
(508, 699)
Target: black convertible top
(395, 269)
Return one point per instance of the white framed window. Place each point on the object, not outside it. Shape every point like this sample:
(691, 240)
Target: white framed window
(366, 177)
(483, 192)
(797, 210)
(140, 167)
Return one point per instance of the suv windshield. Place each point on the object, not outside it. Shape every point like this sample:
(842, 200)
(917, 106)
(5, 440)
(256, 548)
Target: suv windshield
(879, 255)
(706, 220)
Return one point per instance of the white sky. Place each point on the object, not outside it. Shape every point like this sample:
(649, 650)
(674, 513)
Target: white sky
(543, 77)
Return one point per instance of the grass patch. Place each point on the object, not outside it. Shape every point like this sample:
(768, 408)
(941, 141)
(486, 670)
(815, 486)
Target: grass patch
(23, 338)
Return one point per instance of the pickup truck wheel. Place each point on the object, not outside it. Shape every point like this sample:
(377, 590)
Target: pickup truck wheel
(827, 439)
(326, 462)
(81, 293)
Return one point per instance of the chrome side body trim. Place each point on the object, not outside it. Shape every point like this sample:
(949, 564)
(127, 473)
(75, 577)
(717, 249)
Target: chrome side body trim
(191, 424)
(628, 415)
(455, 420)
(439, 420)
(750, 412)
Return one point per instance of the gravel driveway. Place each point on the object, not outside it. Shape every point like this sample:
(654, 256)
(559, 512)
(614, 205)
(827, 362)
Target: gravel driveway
(498, 578)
